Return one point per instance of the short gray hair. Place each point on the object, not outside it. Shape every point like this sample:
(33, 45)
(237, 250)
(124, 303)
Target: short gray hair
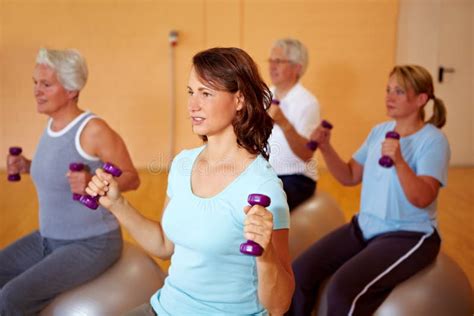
(295, 51)
(70, 66)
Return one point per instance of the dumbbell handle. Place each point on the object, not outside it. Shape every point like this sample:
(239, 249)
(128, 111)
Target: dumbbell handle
(92, 202)
(250, 247)
(313, 145)
(76, 167)
(386, 161)
(14, 151)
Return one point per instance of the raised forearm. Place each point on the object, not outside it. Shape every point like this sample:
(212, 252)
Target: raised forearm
(129, 180)
(275, 283)
(148, 233)
(297, 142)
(340, 169)
(420, 191)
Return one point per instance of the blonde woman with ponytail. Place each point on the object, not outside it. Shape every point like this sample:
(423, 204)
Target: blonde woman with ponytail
(394, 235)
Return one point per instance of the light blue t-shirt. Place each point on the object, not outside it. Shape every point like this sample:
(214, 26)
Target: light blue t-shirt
(208, 274)
(383, 205)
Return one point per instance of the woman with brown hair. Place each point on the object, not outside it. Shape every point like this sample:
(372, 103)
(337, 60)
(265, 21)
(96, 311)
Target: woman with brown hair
(206, 215)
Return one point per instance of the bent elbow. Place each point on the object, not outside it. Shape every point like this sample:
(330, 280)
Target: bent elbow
(136, 183)
(421, 202)
(348, 182)
(281, 306)
(132, 183)
(306, 157)
(279, 310)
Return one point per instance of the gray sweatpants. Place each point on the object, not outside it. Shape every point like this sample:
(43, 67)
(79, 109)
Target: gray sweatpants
(364, 271)
(33, 270)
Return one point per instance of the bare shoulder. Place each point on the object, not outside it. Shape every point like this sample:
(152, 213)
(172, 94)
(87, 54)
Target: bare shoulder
(95, 127)
(97, 136)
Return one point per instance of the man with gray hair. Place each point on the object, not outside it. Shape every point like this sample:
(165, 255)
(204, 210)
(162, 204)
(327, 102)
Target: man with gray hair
(296, 113)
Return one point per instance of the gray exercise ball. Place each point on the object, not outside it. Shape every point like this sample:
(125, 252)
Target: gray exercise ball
(440, 289)
(128, 283)
(311, 220)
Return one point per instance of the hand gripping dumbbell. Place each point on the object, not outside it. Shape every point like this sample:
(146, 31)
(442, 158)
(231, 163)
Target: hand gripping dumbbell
(250, 247)
(15, 151)
(386, 161)
(76, 167)
(313, 145)
(92, 202)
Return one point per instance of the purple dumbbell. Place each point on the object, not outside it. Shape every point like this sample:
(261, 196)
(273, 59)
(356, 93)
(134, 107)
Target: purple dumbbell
(386, 161)
(15, 151)
(250, 247)
(76, 167)
(313, 145)
(92, 202)
(275, 101)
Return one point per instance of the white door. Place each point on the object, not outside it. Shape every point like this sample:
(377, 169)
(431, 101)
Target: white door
(435, 34)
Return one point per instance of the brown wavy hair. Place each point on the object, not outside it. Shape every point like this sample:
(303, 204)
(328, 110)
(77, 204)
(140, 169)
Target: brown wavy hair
(233, 70)
(419, 79)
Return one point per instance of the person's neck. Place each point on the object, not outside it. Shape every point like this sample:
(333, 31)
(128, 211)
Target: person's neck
(282, 90)
(64, 116)
(220, 150)
(408, 126)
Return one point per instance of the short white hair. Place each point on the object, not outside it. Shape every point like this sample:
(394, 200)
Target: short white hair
(295, 51)
(69, 65)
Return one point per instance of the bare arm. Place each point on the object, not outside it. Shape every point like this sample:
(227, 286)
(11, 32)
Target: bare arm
(275, 277)
(421, 191)
(276, 282)
(148, 233)
(296, 141)
(99, 140)
(347, 173)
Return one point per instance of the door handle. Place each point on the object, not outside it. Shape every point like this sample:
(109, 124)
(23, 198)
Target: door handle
(442, 70)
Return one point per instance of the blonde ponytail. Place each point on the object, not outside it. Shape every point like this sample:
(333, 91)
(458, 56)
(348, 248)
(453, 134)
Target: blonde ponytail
(438, 118)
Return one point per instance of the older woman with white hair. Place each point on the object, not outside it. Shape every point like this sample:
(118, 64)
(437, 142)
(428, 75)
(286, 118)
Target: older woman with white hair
(73, 244)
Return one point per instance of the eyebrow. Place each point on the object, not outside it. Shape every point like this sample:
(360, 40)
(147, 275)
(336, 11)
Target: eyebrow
(201, 88)
(40, 79)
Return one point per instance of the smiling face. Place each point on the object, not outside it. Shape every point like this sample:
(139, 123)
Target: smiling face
(211, 111)
(49, 93)
(402, 103)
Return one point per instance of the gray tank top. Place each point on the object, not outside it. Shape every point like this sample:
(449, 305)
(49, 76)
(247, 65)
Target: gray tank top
(60, 217)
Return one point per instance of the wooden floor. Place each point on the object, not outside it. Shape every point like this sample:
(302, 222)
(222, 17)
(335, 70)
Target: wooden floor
(18, 209)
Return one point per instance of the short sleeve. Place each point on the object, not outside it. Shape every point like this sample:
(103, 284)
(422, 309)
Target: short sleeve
(278, 205)
(434, 160)
(169, 189)
(178, 169)
(308, 119)
(361, 154)
(375, 136)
